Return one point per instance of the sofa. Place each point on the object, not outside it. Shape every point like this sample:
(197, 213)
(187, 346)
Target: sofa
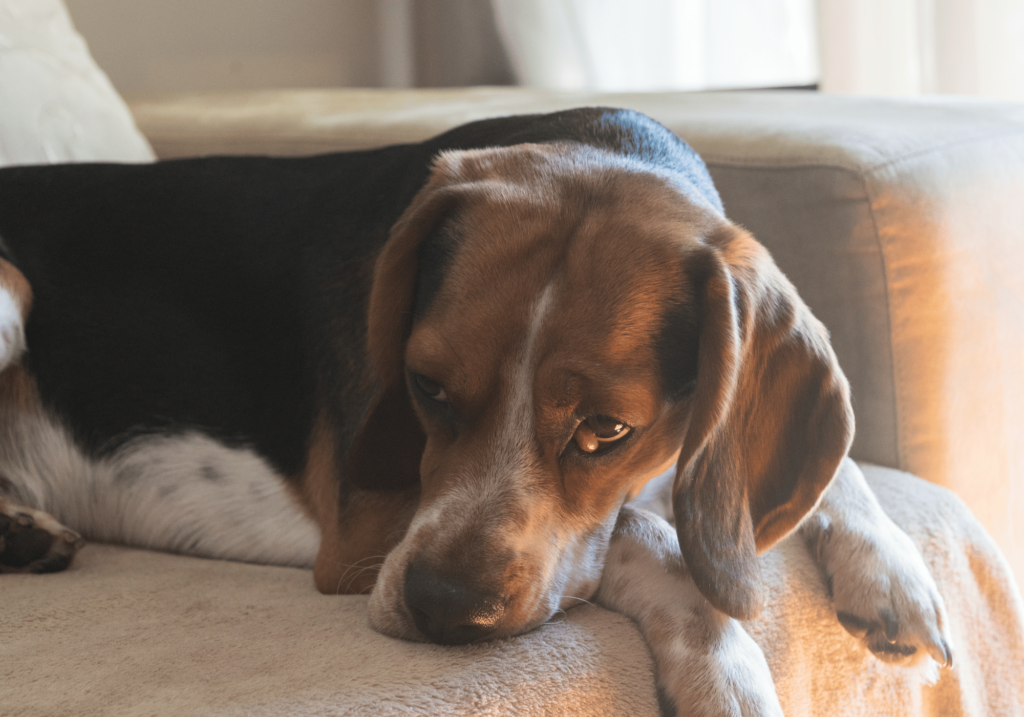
(900, 222)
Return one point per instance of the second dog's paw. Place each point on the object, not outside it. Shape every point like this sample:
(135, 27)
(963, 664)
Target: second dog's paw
(32, 541)
(882, 591)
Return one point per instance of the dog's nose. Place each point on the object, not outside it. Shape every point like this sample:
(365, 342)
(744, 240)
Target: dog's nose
(448, 611)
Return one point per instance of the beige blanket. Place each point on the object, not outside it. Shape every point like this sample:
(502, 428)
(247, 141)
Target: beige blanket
(130, 632)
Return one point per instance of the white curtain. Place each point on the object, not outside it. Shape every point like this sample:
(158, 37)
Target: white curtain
(624, 45)
(874, 47)
(910, 47)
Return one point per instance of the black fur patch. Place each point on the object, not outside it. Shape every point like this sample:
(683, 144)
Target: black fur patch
(436, 253)
(677, 351)
(211, 473)
(228, 294)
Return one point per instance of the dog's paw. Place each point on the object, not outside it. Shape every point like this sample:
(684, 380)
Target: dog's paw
(881, 589)
(32, 541)
(730, 678)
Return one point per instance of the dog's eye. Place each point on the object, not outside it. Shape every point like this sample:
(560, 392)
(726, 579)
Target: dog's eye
(431, 389)
(599, 431)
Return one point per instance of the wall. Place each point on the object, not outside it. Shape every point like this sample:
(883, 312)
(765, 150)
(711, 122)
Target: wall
(154, 46)
(159, 46)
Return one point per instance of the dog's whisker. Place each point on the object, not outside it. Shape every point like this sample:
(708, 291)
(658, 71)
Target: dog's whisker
(359, 562)
(358, 572)
(395, 537)
(559, 613)
(358, 569)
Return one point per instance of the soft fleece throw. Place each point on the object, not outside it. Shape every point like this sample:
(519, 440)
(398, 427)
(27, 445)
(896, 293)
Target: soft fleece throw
(131, 632)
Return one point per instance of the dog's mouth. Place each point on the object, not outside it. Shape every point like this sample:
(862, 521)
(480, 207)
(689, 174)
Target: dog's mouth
(479, 586)
(427, 607)
(455, 628)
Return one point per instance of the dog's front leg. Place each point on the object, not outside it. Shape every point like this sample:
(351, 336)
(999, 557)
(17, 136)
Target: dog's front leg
(706, 663)
(881, 588)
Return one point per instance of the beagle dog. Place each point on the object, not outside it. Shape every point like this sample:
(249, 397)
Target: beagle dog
(439, 373)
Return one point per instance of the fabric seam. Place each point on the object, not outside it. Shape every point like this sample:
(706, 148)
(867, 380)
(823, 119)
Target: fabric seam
(752, 163)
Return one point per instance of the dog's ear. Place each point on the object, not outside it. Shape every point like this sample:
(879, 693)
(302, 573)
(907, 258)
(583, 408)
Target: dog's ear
(386, 451)
(770, 419)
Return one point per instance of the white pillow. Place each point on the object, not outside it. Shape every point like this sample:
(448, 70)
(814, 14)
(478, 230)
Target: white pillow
(56, 104)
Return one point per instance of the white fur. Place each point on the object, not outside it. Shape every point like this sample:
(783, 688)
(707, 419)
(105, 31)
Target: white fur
(185, 493)
(875, 569)
(706, 663)
(12, 332)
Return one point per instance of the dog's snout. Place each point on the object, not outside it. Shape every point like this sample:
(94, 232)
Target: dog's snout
(449, 611)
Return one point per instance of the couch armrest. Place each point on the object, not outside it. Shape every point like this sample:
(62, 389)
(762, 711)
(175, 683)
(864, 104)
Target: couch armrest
(902, 225)
(900, 222)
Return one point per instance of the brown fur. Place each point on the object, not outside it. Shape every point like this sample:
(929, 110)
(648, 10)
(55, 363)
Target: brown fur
(17, 285)
(772, 421)
(18, 390)
(612, 249)
(357, 528)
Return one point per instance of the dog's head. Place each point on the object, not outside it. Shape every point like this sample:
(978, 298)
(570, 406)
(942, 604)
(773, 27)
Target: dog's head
(565, 324)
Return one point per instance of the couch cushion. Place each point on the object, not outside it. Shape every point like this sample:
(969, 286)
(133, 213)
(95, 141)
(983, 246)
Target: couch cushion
(56, 105)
